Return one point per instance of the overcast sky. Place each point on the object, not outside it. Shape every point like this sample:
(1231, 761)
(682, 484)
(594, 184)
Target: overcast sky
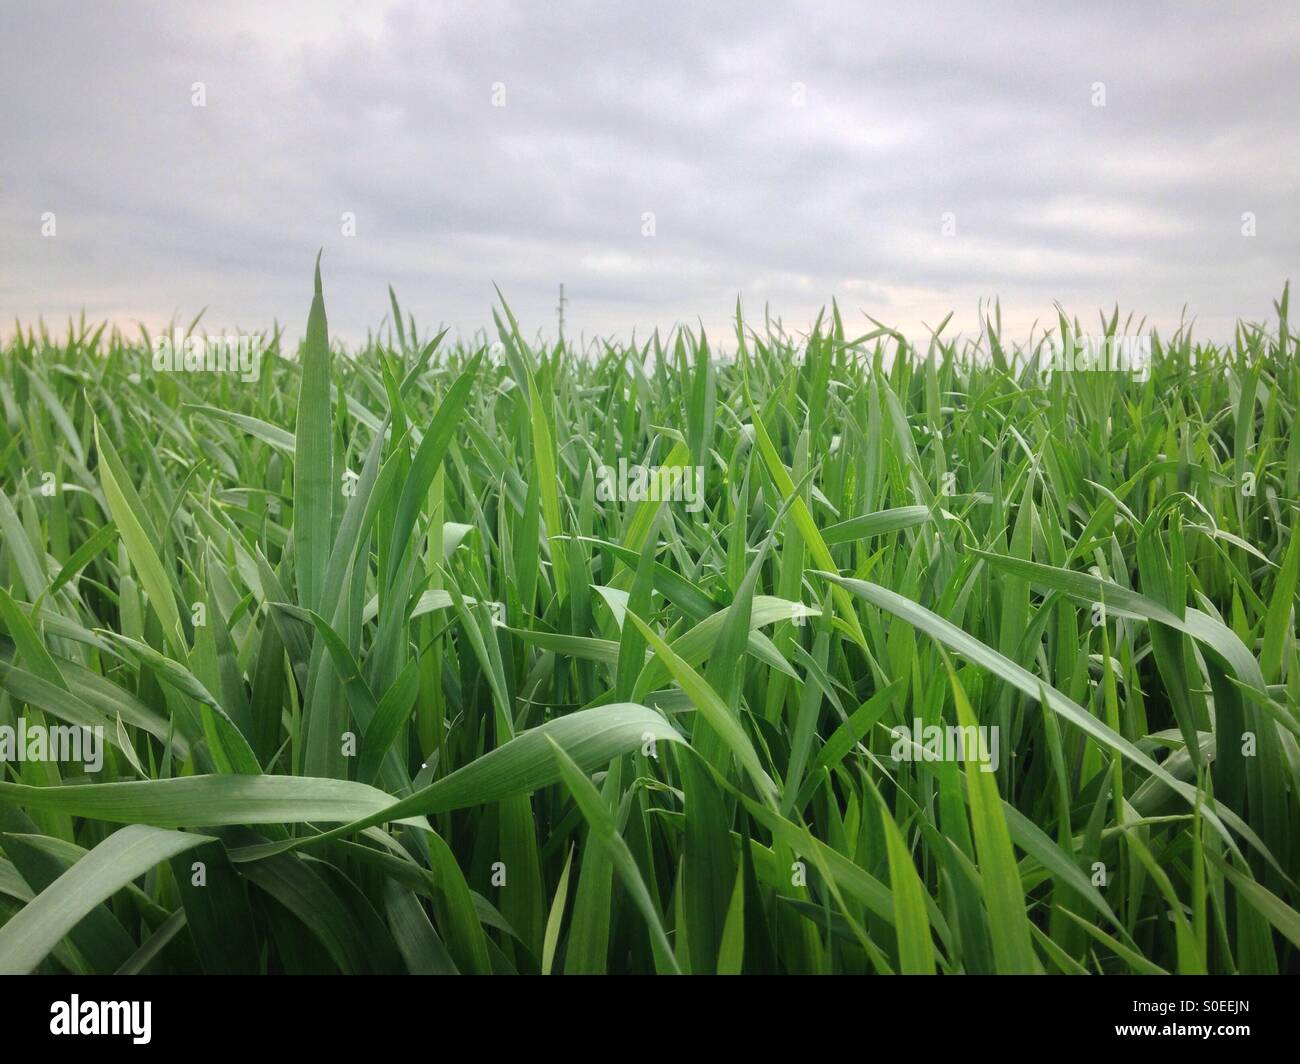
(789, 153)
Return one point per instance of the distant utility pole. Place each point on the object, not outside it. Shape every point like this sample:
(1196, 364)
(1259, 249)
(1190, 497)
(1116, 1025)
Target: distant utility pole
(560, 310)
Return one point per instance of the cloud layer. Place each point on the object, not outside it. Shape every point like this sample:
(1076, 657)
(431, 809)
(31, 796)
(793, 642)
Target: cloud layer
(789, 154)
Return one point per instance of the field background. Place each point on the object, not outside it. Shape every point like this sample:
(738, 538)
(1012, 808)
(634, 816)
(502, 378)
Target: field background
(668, 748)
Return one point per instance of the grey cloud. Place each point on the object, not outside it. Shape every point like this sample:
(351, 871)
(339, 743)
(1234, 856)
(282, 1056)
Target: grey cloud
(911, 110)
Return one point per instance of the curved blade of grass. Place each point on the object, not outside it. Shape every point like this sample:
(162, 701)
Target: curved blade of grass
(969, 647)
(911, 925)
(282, 440)
(1262, 900)
(1004, 894)
(713, 709)
(803, 520)
(604, 833)
(37, 928)
(875, 524)
(424, 465)
(556, 917)
(207, 801)
(128, 514)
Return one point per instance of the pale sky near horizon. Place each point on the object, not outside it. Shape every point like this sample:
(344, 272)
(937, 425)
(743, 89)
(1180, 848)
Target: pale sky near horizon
(789, 154)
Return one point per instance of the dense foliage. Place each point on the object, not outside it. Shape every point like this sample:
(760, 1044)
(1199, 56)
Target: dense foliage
(392, 677)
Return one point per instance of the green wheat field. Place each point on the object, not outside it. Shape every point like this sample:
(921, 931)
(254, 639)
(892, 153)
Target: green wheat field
(390, 677)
